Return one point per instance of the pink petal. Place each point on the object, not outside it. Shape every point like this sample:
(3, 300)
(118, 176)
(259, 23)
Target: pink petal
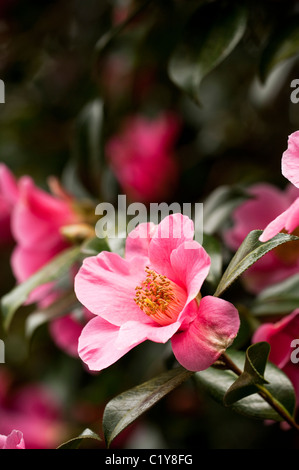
(170, 234)
(14, 440)
(26, 261)
(208, 336)
(66, 331)
(98, 344)
(267, 203)
(137, 243)
(290, 159)
(38, 217)
(105, 285)
(134, 332)
(190, 264)
(288, 220)
(279, 335)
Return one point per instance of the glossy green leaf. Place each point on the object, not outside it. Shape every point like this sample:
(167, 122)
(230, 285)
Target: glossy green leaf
(83, 438)
(253, 374)
(216, 382)
(249, 252)
(53, 271)
(210, 36)
(283, 44)
(278, 299)
(122, 410)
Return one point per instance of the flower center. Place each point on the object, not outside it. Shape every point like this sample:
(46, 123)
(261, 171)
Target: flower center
(160, 298)
(289, 252)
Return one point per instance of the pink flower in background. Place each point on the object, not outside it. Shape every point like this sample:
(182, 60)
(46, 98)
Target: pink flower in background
(288, 219)
(142, 157)
(34, 219)
(290, 159)
(254, 214)
(153, 294)
(8, 197)
(280, 336)
(37, 220)
(14, 440)
(32, 409)
(66, 330)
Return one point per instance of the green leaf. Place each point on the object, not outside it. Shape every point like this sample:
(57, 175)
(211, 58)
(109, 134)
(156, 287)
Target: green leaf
(249, 253)
(219, 206)
(53, 271)
(94, 246)
(78, 442)
(255, 363)
(88, 156)
(60, 307)
(283, 44)
(216, 382)
(122, 410)
(278, 299)
(210, 36)
(110, 35)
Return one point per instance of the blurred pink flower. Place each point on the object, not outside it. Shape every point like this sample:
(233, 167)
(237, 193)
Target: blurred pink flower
(153, 294)
(34, 219)
(254, 214)
(280, 336)
(142, 157)
(8, 197)
(66, 330)
(33, 410)
(37, 220)
(290, 159)
(14, 440)
(288, 219)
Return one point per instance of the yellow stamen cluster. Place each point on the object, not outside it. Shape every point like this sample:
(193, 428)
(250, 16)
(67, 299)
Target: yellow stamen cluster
(156, 298)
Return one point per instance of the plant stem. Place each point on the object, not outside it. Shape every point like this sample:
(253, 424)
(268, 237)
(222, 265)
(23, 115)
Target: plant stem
(263, 392)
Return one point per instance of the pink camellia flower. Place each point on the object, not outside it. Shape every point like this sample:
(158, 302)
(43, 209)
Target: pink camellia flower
(14, 440)
(37, 220)
(290, 159)
(153, 294)
(142, 157)
(267, 202)
(280, 336)
(288, 219)
(8, 197)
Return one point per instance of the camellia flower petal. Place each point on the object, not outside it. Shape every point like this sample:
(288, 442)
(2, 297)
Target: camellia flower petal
(36, 219)
(287, 221)
(14, 440)
(280, 336)
(290, 159)
(153, 294)
(266, 204)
